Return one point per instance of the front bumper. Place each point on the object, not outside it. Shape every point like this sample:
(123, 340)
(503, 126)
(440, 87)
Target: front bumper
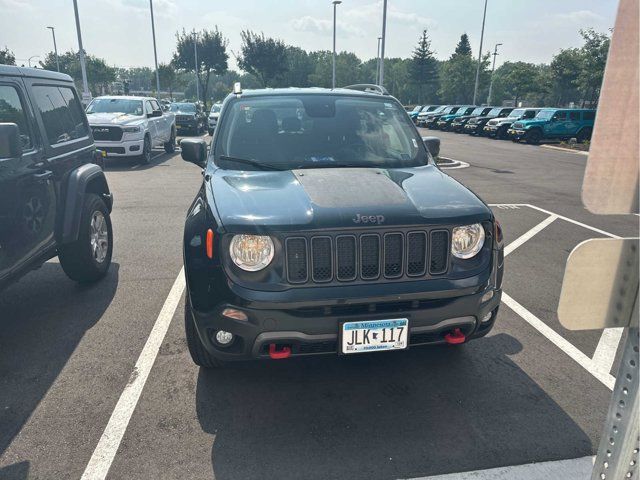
(313, 330)
(186, 124)
(124, 148)
(490, 130)
(516, 134)
(471, 128)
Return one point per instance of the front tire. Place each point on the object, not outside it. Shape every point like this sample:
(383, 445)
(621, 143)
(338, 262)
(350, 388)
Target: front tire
(170, 146)
(583, 135)
(145, 158)
(199, 354)
(502, 134)
(88, 258)
(533, 136)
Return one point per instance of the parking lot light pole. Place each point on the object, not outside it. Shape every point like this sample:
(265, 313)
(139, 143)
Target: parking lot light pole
(86, 94)
(384, 31)
(495, 54)
(155, 52)
(378, 61)
(195, 51)
(29, 59)
(333, 76)
(55, 47)
(475, 89)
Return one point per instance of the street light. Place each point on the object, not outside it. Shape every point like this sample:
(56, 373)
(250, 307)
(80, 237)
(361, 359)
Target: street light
(495, 54)
(384, 31)
(195, 50)
(378, 61)
(155, 53)
(55, 47)
(29, 59)
(475, 89)
(86, 94)
(333, 77)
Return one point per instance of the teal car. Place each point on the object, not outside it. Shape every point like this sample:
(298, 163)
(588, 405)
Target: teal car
(554, 124)
(444, 122)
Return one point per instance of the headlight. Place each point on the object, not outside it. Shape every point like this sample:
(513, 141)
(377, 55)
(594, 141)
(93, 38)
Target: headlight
(467, 240)
(251, 252)
(135, 129)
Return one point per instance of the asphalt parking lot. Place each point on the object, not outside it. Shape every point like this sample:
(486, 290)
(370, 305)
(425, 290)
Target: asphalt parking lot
(75, 397)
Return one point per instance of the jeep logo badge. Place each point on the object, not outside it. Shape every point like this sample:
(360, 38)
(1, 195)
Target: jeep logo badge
(368, 219)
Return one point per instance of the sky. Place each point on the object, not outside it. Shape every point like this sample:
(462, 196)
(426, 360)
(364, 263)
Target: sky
(120, 30)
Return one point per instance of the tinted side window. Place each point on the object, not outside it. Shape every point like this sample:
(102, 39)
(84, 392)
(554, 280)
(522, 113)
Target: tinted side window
(588, 115)
(12, 111)
(62, 121)
(575, 116)
(529, 114)
(560, 115)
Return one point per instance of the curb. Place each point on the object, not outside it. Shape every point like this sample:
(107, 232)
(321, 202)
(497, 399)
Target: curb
(562, 149)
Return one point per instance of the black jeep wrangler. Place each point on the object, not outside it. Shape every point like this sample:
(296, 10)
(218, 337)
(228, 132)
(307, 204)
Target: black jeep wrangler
(323, 226)
(54, 198)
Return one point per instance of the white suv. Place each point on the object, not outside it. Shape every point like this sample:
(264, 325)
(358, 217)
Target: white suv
(212, 123)
(127, 126)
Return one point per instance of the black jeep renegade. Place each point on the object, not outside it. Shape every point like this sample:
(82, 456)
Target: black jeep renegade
(323, 226)
(54, 199)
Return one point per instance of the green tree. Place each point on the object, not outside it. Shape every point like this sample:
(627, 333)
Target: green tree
(423, 70)
(7, 57)
(517, 80)
(457, 75)
(594, 59)
(464, 46)
(167, 75)
(212, 55)
(565, 68)
(265, 58)
(99, 74)
(299, 66)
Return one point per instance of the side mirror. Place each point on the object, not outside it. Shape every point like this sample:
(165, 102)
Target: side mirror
(194, 151)
(10, 141)
(433, 145)
(156, 113)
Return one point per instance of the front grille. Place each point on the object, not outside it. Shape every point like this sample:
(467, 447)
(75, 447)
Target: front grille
(366, 256)
(517, 125)
(184, 118)
(110, 134)
(297, 260)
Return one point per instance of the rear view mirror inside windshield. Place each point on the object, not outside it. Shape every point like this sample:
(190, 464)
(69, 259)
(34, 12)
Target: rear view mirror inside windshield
(320, 107)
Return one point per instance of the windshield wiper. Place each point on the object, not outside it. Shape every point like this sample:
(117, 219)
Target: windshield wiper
(248, 161)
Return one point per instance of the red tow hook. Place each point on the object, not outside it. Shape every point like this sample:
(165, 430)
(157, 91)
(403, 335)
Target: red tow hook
(455, 338)
(276, 354)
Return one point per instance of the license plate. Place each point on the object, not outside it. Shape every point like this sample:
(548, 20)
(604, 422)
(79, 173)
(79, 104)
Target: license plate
(374, 335)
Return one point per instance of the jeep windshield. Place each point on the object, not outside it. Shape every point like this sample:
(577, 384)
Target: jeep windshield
(287, 132)
(517, 113)
(545, 114)
(494, 112)
(115, 105)
(183, 107)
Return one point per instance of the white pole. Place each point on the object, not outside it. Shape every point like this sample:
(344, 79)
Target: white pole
(155, 53)
(475, 89)
(86, 94)
(195, 49)
(384, 31)
(333, 75)
(55, 47)
(495, 54)
(378, 61)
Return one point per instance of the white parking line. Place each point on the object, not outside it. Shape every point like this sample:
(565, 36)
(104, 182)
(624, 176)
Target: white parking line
(585, 362)
(572, 469)
(575, 222)
(605, 353)
(529, 235)
(105, 451)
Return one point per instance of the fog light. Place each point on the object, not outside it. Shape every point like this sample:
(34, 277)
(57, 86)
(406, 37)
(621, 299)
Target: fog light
(485, 319)
(235, 314)
(487, 296)
(224, 338)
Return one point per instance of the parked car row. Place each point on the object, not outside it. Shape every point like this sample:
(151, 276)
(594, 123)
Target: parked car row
(532, 125)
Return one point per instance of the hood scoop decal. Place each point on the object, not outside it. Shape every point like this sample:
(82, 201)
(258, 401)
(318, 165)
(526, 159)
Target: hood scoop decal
(350, 187)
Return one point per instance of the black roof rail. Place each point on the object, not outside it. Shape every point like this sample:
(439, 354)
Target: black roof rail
(368, 87)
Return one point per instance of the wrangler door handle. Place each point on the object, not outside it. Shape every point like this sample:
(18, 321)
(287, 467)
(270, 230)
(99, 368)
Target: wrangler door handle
(43, 177)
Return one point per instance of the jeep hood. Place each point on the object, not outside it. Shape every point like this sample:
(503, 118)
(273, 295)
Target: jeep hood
(113, 119)
(311, 199)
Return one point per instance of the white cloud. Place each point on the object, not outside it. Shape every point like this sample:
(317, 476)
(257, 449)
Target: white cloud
(578, 17)
(372, 13)
(320, 26)
(16, 4)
